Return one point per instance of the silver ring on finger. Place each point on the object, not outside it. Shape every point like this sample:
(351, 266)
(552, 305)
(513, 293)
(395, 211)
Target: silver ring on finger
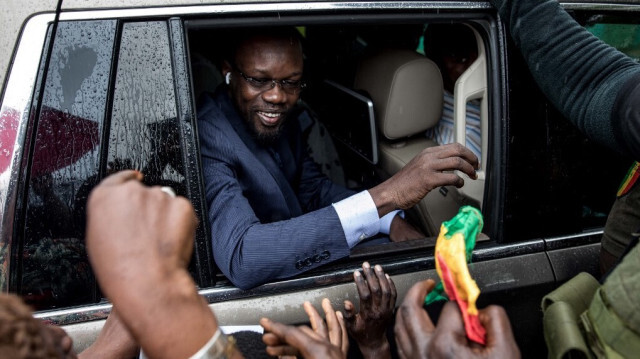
(168, 190)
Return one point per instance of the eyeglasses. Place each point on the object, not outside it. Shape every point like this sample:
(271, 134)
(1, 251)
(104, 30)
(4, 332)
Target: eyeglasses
(291, 87)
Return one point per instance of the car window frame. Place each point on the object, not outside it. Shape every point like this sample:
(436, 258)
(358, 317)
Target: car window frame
(415, 261)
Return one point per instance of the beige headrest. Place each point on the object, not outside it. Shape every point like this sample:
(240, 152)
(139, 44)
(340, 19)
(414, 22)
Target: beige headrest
(406, 89)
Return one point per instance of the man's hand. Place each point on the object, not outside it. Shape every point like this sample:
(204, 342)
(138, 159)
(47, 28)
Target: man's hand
(431, 168)
(377, 294)
(139, 241)
(401, 230)
(450, 338)
(114, 341)
(413, 327)
(417, 337)
(326, 339)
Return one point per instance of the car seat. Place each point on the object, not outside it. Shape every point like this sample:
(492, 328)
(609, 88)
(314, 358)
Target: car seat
(406, 89)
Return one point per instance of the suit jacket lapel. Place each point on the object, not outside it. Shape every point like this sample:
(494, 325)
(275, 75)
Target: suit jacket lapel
(263, 155)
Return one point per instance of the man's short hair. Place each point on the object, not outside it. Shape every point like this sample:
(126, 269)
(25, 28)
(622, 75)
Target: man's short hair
(446, 39)
(20, 333)
(241, 36)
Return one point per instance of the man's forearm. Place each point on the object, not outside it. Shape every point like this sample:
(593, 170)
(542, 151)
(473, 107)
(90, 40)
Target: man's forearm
(166, 315)
(580, 74)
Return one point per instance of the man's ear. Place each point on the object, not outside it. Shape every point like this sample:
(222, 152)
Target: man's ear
(226, 67)
(226, 72)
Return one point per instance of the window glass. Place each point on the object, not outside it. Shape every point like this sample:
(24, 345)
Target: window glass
(144, 127)
(624, 37)
(65, 166)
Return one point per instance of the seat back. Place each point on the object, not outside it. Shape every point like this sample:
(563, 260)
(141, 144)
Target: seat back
(406, 89)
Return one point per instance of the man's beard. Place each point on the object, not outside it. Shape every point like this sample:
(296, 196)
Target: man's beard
(265, 138)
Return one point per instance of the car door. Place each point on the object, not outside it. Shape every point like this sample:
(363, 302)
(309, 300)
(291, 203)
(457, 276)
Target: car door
(123, 81)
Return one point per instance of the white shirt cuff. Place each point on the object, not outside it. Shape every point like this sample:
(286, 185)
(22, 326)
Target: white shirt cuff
(385, 221)
(358, 216)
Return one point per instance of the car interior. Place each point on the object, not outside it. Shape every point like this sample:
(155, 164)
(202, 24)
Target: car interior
(372, 88)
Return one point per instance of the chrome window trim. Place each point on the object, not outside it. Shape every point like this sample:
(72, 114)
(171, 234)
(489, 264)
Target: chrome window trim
(219, 9)
(18, 95)
(252, 8)
(601, 6)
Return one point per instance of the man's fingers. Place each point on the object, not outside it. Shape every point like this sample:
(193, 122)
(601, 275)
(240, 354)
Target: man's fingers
(415, 319)
(345, 337)
(402, 337)
(374, 287)
(456, 163)
(496, 322)
(317, 323)
(394, 292)
(293, 336)
(385, 289)
(450, 321)
(418, 292)
(335, 331)
(282, 350)
(363, 291)
(413, 324)
(122, 177)
(271, 339)
(458, 150)
(349, 311)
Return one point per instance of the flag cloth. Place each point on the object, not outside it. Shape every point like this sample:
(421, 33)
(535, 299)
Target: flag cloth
(453, 251)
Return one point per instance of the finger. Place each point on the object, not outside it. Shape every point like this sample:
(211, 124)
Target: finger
(412, 321)
(447, 179)
(394, 292)
(122, 177)
(335, 331)
(271, 339)
(374, 285)
(312, 334)
(317, 323)
(496, 322)
(295, 337)
(418, 292)
(349, 311)
(363, 291)
(450, 321)
(458, 150)
(282, 350)
(385, 290)
(403, 341)
(345, 337)
(456, 163)
(182, 216)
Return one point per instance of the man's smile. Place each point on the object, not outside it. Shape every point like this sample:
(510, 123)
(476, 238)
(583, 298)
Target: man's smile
(270, 119)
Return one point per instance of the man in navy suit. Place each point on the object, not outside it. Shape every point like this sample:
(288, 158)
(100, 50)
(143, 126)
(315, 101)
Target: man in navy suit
(273, 214)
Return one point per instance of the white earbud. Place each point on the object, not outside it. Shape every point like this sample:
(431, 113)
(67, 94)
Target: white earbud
(227, 78)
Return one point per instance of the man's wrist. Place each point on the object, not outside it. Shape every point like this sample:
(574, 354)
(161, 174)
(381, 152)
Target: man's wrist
(380, 349)
(387, 220)
(382, 199)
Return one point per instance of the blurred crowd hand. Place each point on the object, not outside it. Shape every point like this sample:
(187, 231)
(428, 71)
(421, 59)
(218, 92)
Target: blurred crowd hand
(377, 294)
(114, 341)
(139, 241)
(417, 337)
(129, 223)
(327, 338)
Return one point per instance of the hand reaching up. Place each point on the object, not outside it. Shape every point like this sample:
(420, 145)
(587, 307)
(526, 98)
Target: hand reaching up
(327, 339)
(377, 294)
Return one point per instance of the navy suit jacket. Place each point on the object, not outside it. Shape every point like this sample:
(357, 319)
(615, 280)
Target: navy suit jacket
(269, 207)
